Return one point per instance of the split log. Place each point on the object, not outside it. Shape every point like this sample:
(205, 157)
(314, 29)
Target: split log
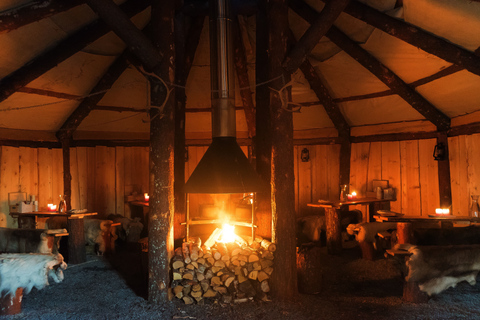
(262, 275)
(267, 245)
(210, 293)
(188, 300)
(213, 238)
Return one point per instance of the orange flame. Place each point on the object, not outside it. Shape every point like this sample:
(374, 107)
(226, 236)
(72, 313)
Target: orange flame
(228, 233)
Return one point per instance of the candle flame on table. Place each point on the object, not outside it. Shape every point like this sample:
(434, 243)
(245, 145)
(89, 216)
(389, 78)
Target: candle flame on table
(146, 196)
(442, 211)
(52, 207)
(228, 233)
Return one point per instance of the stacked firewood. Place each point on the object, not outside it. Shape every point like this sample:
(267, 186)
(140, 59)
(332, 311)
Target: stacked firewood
(236, 271)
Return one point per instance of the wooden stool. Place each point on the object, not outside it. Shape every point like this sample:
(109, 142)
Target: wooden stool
(11, 304)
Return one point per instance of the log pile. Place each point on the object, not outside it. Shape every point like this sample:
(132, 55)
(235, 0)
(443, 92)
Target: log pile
(231, 272)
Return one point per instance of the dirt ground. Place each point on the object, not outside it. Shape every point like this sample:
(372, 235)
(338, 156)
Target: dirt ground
(350, 288)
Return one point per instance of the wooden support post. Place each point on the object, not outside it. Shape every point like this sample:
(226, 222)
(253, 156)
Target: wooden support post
(262, 142)
(76, 241)
(162, 141)
(334, 230)
(444, 182)
(309, 273)
(180, 102)
(10, 304)
(284, 279)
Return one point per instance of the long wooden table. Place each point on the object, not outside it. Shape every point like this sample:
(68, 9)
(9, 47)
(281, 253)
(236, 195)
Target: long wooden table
(333, 211)
(75, 228)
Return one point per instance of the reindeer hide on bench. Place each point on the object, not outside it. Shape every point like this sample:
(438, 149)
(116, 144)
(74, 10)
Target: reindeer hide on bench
(437, 268)
(20, 270)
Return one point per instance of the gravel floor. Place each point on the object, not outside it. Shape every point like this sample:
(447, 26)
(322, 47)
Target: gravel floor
(351, 288)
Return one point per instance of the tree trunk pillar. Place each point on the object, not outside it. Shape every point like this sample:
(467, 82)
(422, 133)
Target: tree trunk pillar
(162, 140)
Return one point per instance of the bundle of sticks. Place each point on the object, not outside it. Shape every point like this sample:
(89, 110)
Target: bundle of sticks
(231, 272)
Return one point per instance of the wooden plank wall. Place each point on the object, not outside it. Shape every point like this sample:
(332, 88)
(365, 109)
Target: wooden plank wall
(102, 176)
(407, 165)
(464, 154)
(317, 178)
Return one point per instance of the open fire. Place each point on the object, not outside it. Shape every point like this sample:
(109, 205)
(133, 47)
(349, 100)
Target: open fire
(226, 268)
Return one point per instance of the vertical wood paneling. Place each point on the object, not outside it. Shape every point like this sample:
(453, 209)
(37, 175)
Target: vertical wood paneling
(359, 168)
(28, 171)
(359, 173)
(120, 180)
(295, 171)
(75, 201)
(459, 164)
(82, 161)
(391, 171)
(45, 173)
(57, 174)
(374, 164)
(304, 183)
(319, 156)
(472, 144)
(91, 179)
(410, 175)
(9, 182)
(429, 195)
(332, 169)
(105, 180)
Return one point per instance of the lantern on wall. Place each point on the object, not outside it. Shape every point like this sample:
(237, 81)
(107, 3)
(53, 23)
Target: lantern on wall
(439, 152)
(305, 155)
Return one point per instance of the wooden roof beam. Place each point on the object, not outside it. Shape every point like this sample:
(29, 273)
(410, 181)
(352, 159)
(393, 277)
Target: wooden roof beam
(89, 103)
(418, 102)
(312, 36)
(64, 50)
(123, 27)
(414, 36)
(243, 80)
(326, 99)
(32, 12)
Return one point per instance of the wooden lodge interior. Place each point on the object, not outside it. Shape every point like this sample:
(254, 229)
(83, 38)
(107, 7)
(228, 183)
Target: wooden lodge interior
(103, 101)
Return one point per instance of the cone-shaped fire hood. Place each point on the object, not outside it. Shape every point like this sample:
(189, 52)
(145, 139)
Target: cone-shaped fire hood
(224, 168)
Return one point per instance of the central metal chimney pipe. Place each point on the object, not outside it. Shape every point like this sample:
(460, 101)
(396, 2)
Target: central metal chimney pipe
(222, 70)
(224, 168)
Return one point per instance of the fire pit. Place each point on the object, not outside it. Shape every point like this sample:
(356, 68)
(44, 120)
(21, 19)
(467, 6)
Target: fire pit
(226, 268)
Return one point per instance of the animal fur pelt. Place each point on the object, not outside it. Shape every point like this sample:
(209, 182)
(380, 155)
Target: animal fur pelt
(437, 268)
(366, 231)
(19, 270)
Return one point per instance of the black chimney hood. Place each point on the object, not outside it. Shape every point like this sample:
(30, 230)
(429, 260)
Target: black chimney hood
(224, 168)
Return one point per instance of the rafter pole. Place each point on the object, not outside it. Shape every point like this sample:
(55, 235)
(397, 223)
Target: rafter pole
(415, 36)
(312, 36)
(89, 103)
(64, 50)
(419, 103)
(123, 27)
(332, 109)
(32, 12)
(243, 80)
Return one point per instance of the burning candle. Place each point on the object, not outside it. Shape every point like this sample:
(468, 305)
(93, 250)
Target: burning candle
(146, 196)
(352, 196)
(442, 211)
(52, 207)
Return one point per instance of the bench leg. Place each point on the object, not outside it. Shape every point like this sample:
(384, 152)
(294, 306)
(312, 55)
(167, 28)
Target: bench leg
(412, 293)
(11, 305)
